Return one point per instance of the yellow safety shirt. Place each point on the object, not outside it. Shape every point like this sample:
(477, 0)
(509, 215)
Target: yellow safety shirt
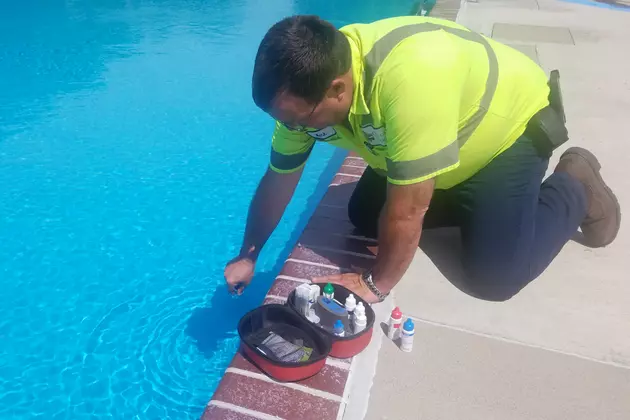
(431, 100)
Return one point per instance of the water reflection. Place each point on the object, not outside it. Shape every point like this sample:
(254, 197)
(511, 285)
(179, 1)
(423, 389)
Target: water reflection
(54, 48)
(129, 149)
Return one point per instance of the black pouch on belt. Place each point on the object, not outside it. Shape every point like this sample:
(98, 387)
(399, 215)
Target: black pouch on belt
(547, 127)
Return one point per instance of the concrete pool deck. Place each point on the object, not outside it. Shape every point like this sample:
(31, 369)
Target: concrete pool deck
(558, 350)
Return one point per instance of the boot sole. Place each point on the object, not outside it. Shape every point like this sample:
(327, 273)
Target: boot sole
(596, 166)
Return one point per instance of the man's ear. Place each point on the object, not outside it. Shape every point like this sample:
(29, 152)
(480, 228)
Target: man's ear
(338, 88)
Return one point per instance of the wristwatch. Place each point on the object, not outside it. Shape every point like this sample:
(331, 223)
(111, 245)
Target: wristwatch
(367, 279)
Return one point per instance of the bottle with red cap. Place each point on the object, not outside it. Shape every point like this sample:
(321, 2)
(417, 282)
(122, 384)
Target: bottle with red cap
(395, 320)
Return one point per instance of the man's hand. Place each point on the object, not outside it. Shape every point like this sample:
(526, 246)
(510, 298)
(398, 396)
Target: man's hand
(238, 274)
(351, 281)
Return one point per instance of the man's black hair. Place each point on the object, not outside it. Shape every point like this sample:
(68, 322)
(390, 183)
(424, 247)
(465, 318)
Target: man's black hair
(301, 55)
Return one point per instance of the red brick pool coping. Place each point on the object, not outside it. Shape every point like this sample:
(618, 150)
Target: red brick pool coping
(328, 245)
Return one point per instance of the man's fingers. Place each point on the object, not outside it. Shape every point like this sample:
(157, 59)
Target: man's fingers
(334, 278)
(232, 284)
(231, 288)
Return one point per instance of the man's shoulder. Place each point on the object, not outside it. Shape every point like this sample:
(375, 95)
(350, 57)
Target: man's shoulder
(379, 27)
(387, 24)
(367, 35)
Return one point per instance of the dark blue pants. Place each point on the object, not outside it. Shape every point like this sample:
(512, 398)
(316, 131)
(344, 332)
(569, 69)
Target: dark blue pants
(512, 224)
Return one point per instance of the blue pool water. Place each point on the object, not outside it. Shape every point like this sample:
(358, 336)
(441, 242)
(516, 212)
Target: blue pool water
(129, 150)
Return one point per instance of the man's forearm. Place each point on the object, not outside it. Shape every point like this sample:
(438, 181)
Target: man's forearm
(400, 227)
(270, 200)
(397, 243)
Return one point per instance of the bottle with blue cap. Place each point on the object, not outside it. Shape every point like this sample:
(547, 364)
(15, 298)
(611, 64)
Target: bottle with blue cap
(406, 338)
(338, 329)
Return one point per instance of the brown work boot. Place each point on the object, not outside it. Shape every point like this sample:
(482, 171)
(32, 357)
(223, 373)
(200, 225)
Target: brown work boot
(603, 217)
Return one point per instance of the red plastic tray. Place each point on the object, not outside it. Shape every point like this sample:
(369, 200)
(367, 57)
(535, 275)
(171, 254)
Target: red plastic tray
(284, 318)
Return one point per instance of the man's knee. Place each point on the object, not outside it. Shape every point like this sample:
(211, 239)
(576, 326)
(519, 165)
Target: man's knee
(353, 211)
(362, 217)
(496, 284)
(366, 202)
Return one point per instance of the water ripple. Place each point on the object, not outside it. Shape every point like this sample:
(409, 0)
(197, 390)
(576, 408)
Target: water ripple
(151, 366)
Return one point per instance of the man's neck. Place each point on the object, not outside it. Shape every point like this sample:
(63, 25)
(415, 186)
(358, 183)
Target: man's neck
(346, 124)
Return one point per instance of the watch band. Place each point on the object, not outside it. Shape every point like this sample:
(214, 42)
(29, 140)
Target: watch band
(367, 279)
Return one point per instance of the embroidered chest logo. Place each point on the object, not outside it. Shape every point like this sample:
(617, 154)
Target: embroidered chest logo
(325, 134)
(375, 137)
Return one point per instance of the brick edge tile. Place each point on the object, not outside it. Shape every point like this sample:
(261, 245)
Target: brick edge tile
(303, 264)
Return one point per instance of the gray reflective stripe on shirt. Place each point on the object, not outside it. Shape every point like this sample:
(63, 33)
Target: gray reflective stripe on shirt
(418, 168)
(289, 162)
(449, 155)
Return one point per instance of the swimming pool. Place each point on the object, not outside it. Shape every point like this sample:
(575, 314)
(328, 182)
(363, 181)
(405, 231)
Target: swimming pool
(129, 150)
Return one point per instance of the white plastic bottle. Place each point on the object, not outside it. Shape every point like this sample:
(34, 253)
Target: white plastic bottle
(312, 316)
(351, 305)
(406, 339)
(359, 320)
(393, 326)
(314, 295)
(302, 294)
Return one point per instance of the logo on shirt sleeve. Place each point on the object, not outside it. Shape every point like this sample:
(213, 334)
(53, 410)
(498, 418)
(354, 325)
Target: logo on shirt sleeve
(323, 134)
(375, 136)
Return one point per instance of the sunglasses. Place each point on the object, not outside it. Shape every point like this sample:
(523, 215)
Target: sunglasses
(302, 128)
